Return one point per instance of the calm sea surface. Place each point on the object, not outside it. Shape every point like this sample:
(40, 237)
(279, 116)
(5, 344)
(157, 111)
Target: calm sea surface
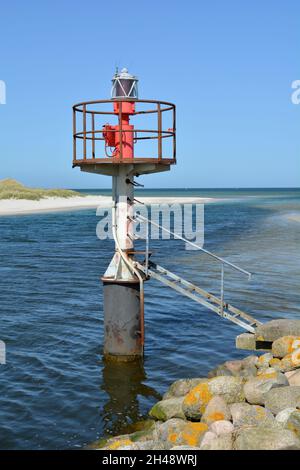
(55, 390)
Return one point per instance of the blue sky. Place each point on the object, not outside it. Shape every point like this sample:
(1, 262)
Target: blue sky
(228, 66)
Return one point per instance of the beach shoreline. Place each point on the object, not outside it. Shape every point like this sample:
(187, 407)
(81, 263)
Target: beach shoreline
(59, 204)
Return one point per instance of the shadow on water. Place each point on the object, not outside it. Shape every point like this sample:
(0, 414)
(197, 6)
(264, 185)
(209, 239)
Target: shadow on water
(124, 385)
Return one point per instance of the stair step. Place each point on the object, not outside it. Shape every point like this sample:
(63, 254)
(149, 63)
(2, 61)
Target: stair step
(200, 296)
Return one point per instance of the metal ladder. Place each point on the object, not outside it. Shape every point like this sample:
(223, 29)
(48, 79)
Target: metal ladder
(199, 295)
(184, 287)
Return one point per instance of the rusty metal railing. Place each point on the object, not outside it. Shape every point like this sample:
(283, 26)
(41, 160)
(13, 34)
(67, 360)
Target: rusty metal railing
(90, 111)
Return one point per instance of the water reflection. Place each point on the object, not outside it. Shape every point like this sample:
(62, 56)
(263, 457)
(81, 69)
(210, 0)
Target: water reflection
(125, 387)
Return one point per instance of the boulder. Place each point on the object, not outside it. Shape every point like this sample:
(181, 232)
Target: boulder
(220, 370)
(256, 387)
(283, 416)
(275, 329)
(182, 386)
(264, 360)
(244, 414)
(185, 448)
(285, 345)
(168, 428)
(116, 443)
(234, 366)
(290, 361)
(221, 427)
(179, 432)
(221, 442)
(129, 447)
(207, 438)
(275, 363)
(279, 398)
(250, 361)
(216, 409)
(167, 409)
(246, 341)
(152, 445)
(293, 422)
(229, 388)
(191, 435)
(249, 371)
(265, 438)
(293, 377)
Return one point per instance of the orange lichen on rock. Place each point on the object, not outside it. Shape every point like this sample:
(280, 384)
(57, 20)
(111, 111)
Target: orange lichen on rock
(199, 394)
(275, 361)
(267, 375)
(119, 443)
(216, 416)
(173, 436)
(192, 434)
(291, 360)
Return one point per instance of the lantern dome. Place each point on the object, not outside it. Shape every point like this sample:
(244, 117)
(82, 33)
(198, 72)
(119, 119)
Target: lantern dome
(124, 85)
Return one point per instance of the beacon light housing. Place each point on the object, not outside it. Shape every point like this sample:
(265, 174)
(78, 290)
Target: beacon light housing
(124, 85)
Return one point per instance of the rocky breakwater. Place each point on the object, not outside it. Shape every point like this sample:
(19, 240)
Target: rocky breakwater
(247, 404)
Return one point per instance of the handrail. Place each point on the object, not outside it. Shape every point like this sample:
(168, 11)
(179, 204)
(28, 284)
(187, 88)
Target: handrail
(222, 260)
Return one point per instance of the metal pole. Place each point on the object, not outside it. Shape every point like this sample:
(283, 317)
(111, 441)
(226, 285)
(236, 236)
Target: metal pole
(222, 289)
(147, 248)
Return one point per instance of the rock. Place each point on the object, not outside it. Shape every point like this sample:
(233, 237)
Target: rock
(167, 409)
(267, 372)
(129, 447)
(244, 414)
(195, 402)
(230, 388)
(152, 445)
(255, 388)
(275, 329)
(290, 361)
(279, 398)
(207, 438)
(181, 387)
(117, 442)
(191, 435)
(166, 429)
(285, 345)
(185, 448)
(293, 422)
(219, 370)
(275, 363)
(179, 432)
(234, 366)
(293, 377)
(221, 427)
(249, 371)
(222, 442)
(246, 341)
(265, 438)
(216, 409)
(250, 361)
(264, 360)
(283, 416)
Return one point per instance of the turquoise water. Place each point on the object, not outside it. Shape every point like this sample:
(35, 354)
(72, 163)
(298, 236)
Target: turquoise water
(56, 392)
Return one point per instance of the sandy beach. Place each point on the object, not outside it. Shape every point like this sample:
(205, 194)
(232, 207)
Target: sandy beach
(55, 204)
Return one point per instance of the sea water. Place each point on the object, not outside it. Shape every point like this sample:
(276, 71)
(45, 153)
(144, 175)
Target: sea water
(55, 390)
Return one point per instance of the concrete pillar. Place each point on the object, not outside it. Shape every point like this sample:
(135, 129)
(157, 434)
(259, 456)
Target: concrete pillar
(122, 321)
(123, 305)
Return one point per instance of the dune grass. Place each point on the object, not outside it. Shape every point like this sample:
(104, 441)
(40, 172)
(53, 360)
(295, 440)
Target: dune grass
(12, 189)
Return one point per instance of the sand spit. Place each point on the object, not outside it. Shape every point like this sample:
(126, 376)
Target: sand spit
(56, 204)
